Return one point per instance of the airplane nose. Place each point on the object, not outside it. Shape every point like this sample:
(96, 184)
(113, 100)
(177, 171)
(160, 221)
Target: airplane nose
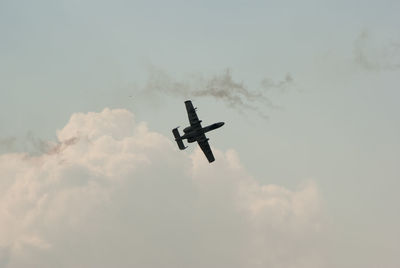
(220, 124)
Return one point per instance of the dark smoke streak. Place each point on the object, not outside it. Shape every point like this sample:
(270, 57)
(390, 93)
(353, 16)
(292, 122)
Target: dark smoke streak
(221, 87)
(59, 147)
(34, 145)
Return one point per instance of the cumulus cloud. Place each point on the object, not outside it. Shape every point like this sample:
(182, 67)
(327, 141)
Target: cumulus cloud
(373, 56)
(120, 195)
(221, 87)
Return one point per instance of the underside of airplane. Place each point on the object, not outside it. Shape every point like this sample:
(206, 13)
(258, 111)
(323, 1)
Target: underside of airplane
(195, 132)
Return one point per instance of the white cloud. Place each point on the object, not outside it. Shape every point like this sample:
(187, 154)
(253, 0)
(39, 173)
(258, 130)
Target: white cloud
(121, 195)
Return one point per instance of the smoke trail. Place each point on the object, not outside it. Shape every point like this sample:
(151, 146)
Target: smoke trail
(56, 148)
(33, 145)
(7, 144)
(282, 86)
(28, 143)
(370, 57)
(221, 87)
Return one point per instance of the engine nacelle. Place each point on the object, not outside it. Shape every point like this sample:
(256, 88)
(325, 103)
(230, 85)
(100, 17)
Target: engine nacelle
(190, 140)
(187, 129)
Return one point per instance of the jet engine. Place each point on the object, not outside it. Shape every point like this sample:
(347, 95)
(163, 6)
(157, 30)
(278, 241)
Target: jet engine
(190, 140)
(187, 129)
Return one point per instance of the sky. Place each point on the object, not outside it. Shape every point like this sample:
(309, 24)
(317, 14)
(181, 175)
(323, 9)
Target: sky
(306, 172)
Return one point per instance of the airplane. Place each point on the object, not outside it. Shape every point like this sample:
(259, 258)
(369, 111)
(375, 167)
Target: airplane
(195, 132)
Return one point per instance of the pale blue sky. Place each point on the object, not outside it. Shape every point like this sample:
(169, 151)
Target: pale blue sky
(339, 124)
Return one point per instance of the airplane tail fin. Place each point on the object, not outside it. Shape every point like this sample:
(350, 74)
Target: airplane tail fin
(178, 139)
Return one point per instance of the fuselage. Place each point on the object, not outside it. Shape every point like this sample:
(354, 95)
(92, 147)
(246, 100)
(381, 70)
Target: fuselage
(193, 133)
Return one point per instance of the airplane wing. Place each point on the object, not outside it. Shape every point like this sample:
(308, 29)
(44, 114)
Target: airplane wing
(206, 149)
(191, 111)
